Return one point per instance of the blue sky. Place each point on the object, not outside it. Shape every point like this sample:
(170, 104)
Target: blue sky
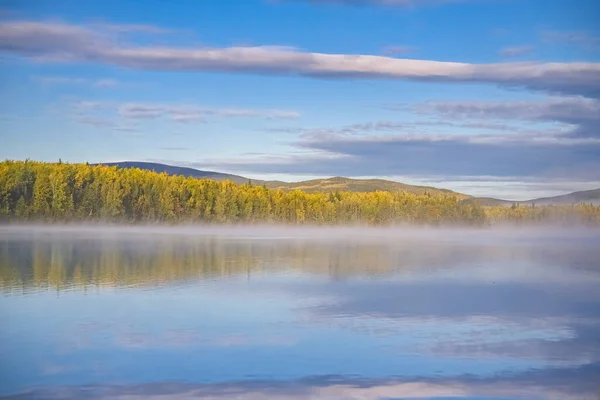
(488, 97)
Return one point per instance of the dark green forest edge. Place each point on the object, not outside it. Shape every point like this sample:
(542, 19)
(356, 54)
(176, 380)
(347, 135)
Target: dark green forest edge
(61, 192)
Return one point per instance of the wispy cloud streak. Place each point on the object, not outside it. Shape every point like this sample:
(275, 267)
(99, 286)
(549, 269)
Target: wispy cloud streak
(190, 113)
(583, 39)
(67, 80)
(516, 51)
(571, 148)
(43, 41)
(582, 114)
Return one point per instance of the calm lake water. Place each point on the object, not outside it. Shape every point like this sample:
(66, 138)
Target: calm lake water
(273, 313)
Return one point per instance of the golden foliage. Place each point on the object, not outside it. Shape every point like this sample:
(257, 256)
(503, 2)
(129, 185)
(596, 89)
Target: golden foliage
(39, 191)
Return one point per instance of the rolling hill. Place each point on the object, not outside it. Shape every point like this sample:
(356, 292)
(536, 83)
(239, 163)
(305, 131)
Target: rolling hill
(311, 186)
(586, 196)
(174, 170)
(357, 185)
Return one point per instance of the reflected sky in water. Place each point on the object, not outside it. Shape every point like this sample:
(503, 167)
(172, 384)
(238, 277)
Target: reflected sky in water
(264, 313)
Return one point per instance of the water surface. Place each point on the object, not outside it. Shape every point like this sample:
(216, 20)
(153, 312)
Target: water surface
(274, 313)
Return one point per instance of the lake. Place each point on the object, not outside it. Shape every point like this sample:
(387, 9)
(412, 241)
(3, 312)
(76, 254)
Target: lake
(299, 313)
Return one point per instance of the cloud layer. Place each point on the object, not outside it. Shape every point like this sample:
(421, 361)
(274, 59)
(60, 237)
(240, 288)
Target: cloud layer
(580, 113)
(66, 80)
(125, 117)
(516, 51)
(424, 156)
(583, 39)
(564, 139)
(571, 148)
(190, 113)
(43, 41)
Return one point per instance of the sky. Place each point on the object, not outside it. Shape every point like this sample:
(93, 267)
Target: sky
(487, 97)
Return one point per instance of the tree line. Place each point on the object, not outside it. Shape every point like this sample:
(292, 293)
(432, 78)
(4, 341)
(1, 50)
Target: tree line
(62, 192)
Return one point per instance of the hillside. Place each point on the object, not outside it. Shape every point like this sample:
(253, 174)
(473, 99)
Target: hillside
(62, 192)
(358, 185)
(311, 186)
(174, 170)
(586, 196)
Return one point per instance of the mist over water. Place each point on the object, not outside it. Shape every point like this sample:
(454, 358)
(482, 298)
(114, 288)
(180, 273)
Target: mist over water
(268, 312)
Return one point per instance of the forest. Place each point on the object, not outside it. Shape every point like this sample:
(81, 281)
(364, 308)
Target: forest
(63, 192)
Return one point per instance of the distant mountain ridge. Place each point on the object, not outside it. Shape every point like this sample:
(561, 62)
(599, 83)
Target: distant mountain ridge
(585, 196)
(311, 186)
(174, 170)
(356, 185)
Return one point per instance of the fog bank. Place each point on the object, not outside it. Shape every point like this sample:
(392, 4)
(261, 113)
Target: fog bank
(277, 232)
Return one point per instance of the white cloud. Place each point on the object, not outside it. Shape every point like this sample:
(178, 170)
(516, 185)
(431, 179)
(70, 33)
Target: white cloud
(191, 113)
(350, 130)
(106, 124)
(86, 106)
(510, 188)
(516, 51)
(546, 383)
(44, 41)
(418, 128)
(60, 80)
(568, 149)
(583, 39)
(132, 28)
(582, 114)
(67, 80)
(125, 117)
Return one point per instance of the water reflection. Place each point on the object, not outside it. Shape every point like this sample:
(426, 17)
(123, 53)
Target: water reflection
(548, 384)
(259, 314)
(32, 260)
